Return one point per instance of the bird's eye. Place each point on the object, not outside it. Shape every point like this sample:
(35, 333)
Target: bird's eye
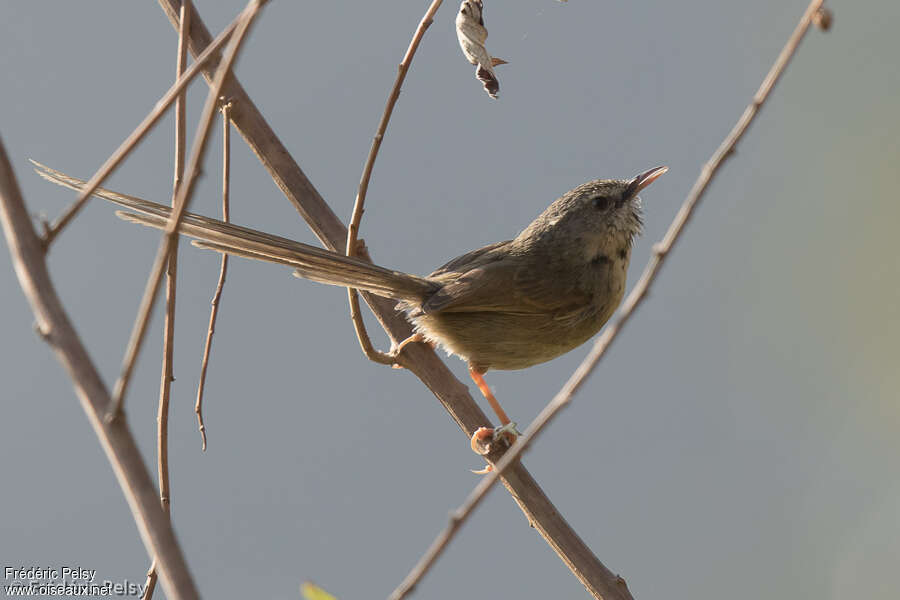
(601, 202)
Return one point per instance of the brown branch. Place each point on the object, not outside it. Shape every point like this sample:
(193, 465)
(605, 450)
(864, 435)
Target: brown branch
(198, 151)
(27, 255)
(638, 293)
(208, 56)
(353, 229)
(162, 415)
(419, 359)
(217, 295)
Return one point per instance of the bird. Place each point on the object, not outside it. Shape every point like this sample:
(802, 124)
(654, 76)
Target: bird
(509, 305)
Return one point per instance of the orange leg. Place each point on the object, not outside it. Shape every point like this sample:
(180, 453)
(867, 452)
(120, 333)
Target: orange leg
(478, 378)
(482, 438)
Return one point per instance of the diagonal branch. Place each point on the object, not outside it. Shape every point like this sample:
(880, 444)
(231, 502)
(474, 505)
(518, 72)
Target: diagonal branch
(353, 228)
(27, 255)
(198, 151)
(638, 293)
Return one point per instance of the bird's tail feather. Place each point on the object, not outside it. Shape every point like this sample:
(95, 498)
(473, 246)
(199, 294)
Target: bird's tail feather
(310, 262)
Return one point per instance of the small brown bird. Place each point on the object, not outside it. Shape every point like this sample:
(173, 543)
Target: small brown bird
(509, 305)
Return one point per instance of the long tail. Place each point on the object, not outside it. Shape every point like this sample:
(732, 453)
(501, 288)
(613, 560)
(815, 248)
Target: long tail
(311, 263)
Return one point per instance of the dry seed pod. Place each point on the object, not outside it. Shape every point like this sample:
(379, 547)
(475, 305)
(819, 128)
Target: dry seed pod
(472, 35)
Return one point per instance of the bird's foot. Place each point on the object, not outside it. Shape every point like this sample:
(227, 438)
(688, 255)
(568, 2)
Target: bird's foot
(485, 437)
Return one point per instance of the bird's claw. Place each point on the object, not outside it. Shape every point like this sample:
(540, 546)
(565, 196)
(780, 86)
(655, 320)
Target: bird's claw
(484, 438)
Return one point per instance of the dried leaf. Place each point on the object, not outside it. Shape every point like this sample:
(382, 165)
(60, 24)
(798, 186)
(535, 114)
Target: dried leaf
(472, 34)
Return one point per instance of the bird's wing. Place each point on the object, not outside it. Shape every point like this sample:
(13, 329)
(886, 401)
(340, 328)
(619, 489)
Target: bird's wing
(465, 262)
(503, 285)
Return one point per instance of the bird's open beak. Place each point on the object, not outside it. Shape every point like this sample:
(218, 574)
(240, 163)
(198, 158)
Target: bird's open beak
(644, 179)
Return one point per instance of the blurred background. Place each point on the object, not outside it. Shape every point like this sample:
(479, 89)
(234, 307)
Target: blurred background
(739, 440)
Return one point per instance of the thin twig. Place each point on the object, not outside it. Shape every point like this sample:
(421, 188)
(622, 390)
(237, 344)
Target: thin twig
(28, 258)
(353, 230)
(165, 385)
(214, 311)
(198, 151)
(638, 293)
(150, 583)
(137, 135)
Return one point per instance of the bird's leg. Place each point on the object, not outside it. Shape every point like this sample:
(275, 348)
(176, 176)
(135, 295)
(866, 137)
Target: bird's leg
(483, 436)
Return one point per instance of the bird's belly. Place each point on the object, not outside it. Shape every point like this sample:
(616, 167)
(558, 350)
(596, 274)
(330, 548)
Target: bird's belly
(506, 341)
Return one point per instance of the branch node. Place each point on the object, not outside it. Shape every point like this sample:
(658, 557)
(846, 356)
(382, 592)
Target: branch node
(362, 251)
(44, 222)
(115, 411)
(41, 332)
(823, 18)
